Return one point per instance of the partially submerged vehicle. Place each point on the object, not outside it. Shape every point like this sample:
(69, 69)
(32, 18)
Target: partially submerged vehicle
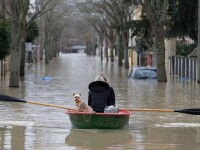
(143, 73)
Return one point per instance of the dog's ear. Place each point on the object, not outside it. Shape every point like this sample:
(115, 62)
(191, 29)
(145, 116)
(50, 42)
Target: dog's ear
(80, 94)
(73, 94)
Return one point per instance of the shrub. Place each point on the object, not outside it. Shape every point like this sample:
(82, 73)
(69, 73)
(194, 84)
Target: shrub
(185, 49)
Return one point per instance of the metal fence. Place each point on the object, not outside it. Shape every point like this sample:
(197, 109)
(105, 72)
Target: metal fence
(185, 67)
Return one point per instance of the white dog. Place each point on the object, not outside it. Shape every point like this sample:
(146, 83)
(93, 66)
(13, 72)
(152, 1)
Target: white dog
(81, 106)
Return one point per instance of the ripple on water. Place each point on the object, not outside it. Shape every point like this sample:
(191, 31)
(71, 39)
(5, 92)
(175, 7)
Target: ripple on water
(178, 124)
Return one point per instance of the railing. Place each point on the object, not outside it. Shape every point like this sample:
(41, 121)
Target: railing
(185, 67)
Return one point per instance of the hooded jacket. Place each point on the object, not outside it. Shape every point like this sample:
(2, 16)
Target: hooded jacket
(100, 96)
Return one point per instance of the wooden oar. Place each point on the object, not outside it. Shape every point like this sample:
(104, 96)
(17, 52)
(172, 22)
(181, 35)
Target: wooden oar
(13, 99)
(185, 111)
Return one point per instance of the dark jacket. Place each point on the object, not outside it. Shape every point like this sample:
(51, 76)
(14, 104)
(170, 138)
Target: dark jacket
(100, 95)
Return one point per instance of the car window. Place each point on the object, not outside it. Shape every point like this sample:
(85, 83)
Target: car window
(140, 74)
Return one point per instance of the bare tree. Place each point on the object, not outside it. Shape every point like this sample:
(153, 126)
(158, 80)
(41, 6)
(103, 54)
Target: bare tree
(156, 11)
(108, 18)
(18, 12)
(53, 24)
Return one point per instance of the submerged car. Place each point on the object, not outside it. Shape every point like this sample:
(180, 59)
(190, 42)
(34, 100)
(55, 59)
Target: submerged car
(143, 73)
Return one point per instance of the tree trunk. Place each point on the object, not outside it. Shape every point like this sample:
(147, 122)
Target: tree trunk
(14, 48)
(106, 49)
(14, 64)
(23, 39)
(120, 50)
(111, 52)
(124, 38)
(160, 54)
(112, 42)
(46, 43)
(3, 71)
(19, 9)
(46, 49)
(101, 47)
(22, 60)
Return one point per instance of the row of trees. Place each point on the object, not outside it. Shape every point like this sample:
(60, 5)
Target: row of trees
(25, 21)
(111, 19)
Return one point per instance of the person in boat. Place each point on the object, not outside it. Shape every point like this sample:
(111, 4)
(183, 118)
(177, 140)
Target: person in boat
(101, 94)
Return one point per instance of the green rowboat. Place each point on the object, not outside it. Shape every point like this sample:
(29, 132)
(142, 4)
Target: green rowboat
(85, 120)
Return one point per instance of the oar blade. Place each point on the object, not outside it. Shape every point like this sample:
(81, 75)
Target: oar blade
(189, 111)
(10, 99)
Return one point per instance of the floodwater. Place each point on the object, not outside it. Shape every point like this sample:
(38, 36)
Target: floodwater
(26, 126)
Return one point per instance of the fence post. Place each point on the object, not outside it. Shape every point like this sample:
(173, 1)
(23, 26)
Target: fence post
(195, 63)
(184, 67)
(171, 65)
(175, 65)
(178, 66)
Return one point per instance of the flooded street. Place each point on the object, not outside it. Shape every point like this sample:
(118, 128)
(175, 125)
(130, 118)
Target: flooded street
(33, 127)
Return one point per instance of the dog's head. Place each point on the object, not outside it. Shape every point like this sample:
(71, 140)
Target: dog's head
(77, 97)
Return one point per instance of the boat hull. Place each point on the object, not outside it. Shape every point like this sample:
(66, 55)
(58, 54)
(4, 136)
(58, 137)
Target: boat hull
(83, 120)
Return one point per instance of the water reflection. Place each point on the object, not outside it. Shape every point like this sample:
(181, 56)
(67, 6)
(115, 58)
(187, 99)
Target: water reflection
(98, 139)
(12, 138)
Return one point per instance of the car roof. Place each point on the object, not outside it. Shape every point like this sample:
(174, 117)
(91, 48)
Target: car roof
(144, 67)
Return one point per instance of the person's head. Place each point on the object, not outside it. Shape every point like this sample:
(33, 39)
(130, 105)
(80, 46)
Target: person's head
(101, 77)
